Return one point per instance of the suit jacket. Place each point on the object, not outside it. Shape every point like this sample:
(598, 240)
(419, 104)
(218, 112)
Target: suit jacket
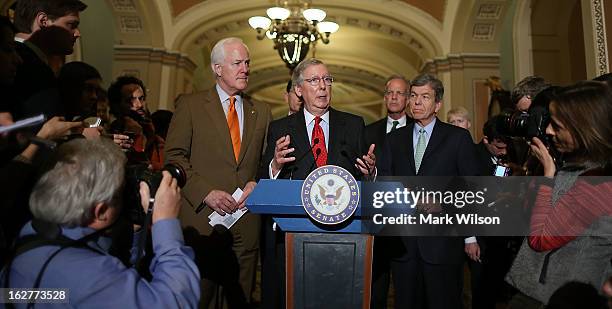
(376, 133)
(346, 143)
(450, 152)
(487, 167)
(199, 141)
(33, 81)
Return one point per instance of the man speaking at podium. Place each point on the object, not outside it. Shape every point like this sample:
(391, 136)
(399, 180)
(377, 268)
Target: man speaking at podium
(317, 135)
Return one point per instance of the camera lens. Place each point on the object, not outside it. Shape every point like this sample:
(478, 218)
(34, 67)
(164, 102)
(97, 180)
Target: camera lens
(177, 172)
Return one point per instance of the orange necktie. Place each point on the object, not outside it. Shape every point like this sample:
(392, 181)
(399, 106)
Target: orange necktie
(234, 127)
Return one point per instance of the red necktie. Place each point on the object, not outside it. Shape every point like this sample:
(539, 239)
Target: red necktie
(234, 127)
(319, 151)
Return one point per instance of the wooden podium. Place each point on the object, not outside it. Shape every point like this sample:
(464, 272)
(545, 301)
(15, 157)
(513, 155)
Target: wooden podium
(327, 266)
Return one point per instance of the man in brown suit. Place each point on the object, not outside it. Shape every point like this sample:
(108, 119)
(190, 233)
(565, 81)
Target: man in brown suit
(218, 136)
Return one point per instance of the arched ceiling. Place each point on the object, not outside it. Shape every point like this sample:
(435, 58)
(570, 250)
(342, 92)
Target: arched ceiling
(435, 8)
(377, 38)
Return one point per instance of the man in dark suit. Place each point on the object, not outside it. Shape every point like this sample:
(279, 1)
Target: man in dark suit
(318, 134)
(47, 31)
(429, 274)
(314, 136)
(217, 137)
(395, 96)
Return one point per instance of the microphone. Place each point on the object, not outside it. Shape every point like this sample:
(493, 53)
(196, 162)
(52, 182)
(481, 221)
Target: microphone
(317, 154)
(293, 166)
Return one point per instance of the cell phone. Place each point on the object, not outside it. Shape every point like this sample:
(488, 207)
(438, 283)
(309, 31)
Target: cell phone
(92, 122)
(501, 171)
(130, 134)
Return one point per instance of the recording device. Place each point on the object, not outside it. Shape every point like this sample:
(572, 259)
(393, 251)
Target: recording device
(293, 166)
(92, 122)
(501, 171)
(528, 124)
(134, 174)
(130, 134)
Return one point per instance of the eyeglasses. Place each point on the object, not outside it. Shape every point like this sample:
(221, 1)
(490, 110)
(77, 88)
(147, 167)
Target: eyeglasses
(397, 93)
(328, 80)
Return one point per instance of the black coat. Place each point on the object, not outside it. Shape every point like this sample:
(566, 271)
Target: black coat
(346, 143)
(450, 152)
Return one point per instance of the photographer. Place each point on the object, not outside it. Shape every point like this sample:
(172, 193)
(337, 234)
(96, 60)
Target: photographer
(571, 220)
(515, 124)
(66, 247)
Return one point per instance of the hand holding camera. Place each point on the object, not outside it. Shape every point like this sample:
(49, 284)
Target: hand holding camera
(167, 197)
(540, 151)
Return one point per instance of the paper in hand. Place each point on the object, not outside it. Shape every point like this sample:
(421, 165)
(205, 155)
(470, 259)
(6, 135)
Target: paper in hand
(229, 219)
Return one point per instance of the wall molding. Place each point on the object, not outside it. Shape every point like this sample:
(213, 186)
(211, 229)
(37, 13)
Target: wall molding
(599, 31)
(154, 55)
(461, 61)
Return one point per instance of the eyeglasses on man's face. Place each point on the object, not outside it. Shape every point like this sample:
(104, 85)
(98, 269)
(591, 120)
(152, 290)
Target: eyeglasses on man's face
(315, 81)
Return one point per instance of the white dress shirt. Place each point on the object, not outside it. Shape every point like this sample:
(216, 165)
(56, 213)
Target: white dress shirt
(310, 122)
(401, 123)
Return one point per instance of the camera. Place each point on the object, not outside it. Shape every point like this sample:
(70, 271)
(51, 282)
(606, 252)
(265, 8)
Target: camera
(528, 124)
(136, 173)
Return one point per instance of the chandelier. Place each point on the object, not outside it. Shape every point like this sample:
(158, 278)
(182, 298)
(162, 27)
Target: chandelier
(293, 27)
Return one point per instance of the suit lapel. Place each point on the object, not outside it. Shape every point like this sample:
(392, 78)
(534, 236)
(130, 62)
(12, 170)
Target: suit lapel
(411, 164)
(436, 138)
(299, 135)
(250, 119)
(336, 131)
(214, 110)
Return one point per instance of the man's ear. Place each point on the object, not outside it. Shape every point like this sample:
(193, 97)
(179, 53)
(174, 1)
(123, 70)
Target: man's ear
(101, 212)
(41, 21)
(298, 90)
(438, 106)
(217, 69)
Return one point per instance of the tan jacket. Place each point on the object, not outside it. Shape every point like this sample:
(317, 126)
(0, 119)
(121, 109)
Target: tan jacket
(199, 140)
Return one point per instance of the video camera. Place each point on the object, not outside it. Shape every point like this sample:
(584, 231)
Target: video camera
(136, 173)
(533, 123)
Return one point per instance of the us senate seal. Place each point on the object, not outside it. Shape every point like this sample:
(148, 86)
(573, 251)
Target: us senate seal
(330, 195)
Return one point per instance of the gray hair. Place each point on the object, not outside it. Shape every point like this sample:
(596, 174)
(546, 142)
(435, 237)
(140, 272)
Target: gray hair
(87, 172)
(297, 78)
(397, 76)
(432, 81)
(217, 55)
(528, 86)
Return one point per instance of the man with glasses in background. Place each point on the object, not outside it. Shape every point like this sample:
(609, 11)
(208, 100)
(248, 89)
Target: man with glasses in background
(396, 97)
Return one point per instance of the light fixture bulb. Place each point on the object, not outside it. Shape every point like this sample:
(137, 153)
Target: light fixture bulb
(314, 15)
(260, 22)
(278, 13)
(328, 27)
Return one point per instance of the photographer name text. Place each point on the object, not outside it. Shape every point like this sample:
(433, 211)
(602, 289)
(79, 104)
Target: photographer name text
(430, 219)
